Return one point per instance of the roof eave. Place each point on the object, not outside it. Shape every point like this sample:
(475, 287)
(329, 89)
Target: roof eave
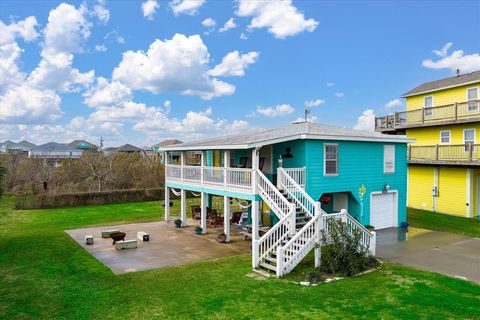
(406, 95)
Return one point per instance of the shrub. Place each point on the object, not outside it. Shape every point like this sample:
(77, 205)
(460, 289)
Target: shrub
(314, 277)
(3, 174)
(344, 253)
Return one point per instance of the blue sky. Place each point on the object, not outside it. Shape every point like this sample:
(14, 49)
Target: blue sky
(144, 71)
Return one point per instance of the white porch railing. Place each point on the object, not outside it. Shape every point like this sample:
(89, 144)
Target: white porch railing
(274, 238)
(368, 239)
(298, 175)
(272, 196)
(297, 193)
(228, 179)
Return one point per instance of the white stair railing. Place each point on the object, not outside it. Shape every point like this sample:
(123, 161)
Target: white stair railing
(298, 174)
(274, 199)
(297, 193)
(368, 239)
(274, 238)
(298, 246)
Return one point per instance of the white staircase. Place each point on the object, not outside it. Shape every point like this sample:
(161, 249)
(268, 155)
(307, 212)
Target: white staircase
(301, 223)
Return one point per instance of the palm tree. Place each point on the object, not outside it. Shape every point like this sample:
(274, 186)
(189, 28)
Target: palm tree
(3, 173)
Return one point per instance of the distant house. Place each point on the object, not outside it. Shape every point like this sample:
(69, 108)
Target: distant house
(14, 147)
(126, 148)
(110, 150)
(165, 143)
(55, 151)
(83, 145)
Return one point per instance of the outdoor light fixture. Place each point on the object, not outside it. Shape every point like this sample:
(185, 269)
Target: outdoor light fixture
(386, 188)
(288, 154)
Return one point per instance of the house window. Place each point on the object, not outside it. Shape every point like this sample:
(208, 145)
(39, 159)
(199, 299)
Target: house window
(468, 138)
(472, 97)
(388, 159)
(428, 105)
(331, 159)
(445, 137)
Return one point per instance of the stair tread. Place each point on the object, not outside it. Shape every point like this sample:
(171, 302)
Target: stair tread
(267, 266)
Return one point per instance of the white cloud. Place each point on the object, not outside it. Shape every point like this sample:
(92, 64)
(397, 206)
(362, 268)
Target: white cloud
(10, 74)
(278, 111)
(456, 60)
(234, 64)
(392, 104)
(209, 22)
(178, 65)
(189, 7)
(314, 103)
(114, 36)
(101, 12)
(149, 8)
(281, 18)
(311, 119)
(100, 48)
(106, 93)
(230, 24)
(366, 121)
(243, 36)
(330, 84)
(339, 94)
(24, 29)
(25, 104)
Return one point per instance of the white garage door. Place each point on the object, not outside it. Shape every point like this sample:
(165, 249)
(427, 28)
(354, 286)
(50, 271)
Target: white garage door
(382, 211)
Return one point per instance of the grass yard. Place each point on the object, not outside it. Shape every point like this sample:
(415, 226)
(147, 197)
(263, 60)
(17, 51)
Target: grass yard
(443, 222)
(44, 275)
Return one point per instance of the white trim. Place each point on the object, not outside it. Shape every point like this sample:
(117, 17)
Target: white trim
(290, 138)
(474, 135)
(439, 89)
(430, 109)
(325, 160)
(395, 205)
(449, 136)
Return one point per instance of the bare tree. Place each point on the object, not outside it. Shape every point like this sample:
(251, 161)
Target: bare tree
(99, 164)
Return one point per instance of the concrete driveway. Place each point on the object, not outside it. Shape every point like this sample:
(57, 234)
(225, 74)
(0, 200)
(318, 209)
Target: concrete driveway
(442, 252)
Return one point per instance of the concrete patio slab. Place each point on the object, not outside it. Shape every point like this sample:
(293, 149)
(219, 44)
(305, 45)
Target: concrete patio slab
(168, 246)
(442, 252)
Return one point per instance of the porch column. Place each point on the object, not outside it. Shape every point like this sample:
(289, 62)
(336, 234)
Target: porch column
(182, 163)
(226, 217)
(183, 207)
(167, 203)
(203, 212)
(255, 162)
(318, 235)
(255, 234)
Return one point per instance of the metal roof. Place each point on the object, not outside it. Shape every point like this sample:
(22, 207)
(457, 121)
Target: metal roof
(293, 131)
(54, 147)
(128, 148)
(165, 143)
(446, 83)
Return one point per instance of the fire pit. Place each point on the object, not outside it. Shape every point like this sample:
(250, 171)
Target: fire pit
(117, 236)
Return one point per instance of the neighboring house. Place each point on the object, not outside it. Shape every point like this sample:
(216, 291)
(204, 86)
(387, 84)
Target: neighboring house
(443, 117)
(319, 168)
(55, 151)
(13, 147)
(110, 150)
(165, 143)
(128, 148)
(83, 145)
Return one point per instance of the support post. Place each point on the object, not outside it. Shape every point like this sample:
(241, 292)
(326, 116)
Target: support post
(255, 160)
(255, 237)
(456, 110)
(203, 212)
(226, 164)
(436, 152)
(183, 207)
(182, 163)
(202, 165)
(167, 204)
(373, 243)
(318, 244)
(226, 217)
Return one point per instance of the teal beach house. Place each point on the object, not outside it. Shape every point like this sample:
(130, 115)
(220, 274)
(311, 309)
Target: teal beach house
(295, 179)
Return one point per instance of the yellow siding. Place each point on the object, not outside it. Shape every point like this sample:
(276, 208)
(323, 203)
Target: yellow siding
(442, 97)
(420, 184)
(431, 135)
(452, 188)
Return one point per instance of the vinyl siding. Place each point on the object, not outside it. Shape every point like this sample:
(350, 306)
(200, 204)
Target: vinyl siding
(452, 191)
(420, 185)
(431, 135)
(442, 97)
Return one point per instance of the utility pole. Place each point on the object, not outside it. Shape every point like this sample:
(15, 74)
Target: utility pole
(101, 143)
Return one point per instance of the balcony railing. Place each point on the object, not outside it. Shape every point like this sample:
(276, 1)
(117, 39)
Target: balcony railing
(428, 116)
(459, 153)
(228, 179)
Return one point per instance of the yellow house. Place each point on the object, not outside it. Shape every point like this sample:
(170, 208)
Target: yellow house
(443, 117)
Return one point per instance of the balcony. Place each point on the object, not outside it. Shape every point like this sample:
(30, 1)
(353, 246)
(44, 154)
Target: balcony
(462, 112)
(218, 178)
(456, 155)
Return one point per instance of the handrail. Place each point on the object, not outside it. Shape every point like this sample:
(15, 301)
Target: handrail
(297, 193)
(274, 199)
(270, 240)
(297, 247)
(445, 152)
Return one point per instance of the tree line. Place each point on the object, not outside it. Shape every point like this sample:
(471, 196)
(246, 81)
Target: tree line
(94, 171)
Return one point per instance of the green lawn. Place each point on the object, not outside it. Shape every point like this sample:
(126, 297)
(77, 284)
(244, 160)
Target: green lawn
(45, 274)
(443, 222)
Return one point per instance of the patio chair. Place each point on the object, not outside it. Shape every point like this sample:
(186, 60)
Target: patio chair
(215, 220)
(196, 212)
(236, 217)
